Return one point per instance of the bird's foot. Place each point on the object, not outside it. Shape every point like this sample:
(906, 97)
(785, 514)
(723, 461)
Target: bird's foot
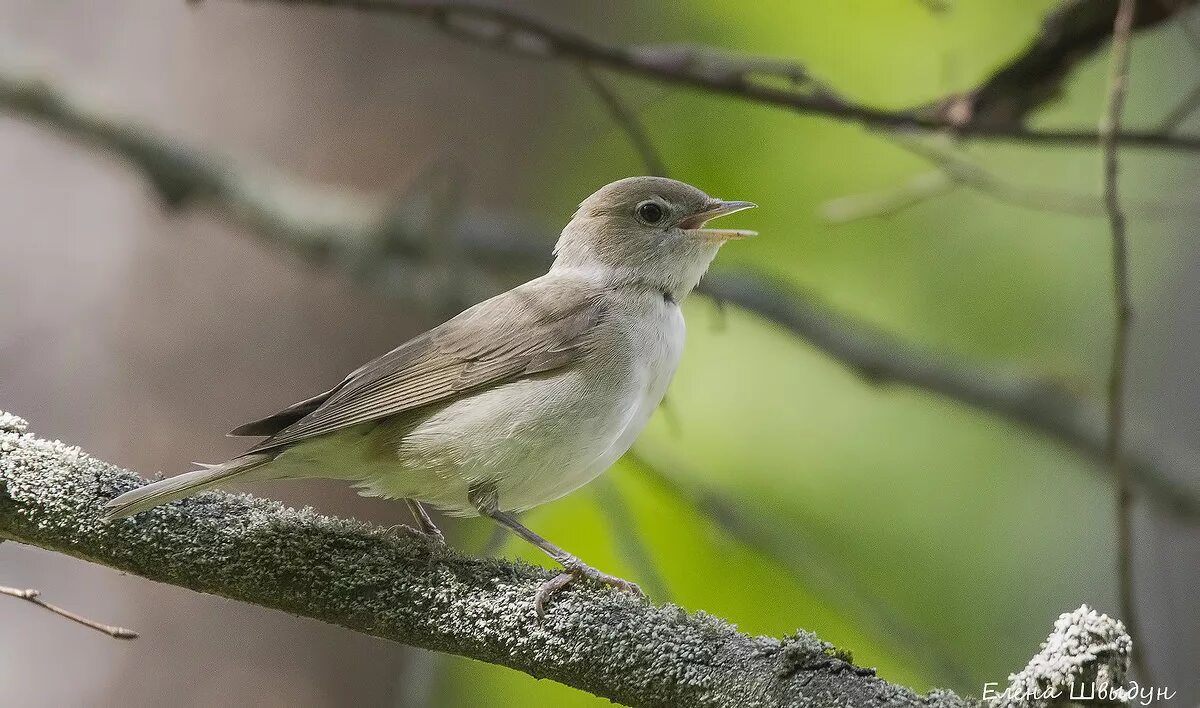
(576, 569)
(432, 535)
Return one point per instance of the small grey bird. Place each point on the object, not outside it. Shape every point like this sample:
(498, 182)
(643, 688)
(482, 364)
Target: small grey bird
(520, 399)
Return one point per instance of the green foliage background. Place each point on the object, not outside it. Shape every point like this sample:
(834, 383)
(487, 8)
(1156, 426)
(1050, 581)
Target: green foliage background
(935, 542)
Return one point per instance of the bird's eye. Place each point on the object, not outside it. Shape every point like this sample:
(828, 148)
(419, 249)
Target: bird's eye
(650, 212)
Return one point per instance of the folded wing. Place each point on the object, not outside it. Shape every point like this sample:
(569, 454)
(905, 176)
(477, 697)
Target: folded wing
(529, 330)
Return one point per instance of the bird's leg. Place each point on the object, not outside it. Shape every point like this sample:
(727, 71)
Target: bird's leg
(425, 527)
(485, 500)
(424, 522)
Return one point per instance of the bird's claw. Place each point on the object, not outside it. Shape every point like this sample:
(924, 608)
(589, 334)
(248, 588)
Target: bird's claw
(574, 569)
(398, 531)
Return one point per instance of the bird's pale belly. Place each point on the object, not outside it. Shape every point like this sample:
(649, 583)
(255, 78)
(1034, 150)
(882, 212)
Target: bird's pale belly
(534, 439)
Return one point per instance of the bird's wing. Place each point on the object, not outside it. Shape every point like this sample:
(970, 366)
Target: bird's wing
(528, 330)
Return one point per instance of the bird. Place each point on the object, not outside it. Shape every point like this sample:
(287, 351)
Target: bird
(516, 401)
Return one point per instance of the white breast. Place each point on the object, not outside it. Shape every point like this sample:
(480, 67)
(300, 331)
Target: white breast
(657, 343)
(540, 438)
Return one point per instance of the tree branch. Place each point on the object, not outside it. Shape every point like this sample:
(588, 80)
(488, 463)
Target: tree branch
(1069, 34)
(342, 572)
(1110, 126)
(810, 567)
(380, 244)
(958, 170)
(628, 121)
(995, 110)
(34, 597)
(880, 358)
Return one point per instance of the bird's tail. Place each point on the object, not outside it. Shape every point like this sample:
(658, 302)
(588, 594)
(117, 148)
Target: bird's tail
(185, 485)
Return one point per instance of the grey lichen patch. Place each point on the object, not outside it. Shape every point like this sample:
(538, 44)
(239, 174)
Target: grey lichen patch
(804, 651)
(344, 572)
(1086, 650)
(10, 423)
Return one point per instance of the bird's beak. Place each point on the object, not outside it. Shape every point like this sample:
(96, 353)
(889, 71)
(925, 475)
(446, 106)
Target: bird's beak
(696, 222)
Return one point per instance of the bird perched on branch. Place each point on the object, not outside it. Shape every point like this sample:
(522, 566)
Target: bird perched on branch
(520, 399)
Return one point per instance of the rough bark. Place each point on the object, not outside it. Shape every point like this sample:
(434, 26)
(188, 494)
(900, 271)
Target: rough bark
(346, 573)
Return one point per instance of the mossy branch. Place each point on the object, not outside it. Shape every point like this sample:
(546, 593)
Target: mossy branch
(346, 573)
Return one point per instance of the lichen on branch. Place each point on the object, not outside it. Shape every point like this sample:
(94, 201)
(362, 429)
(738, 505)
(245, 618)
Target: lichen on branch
(347, 573)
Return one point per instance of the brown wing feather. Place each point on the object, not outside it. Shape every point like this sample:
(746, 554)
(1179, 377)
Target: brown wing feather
(276, 422)
(526, 331)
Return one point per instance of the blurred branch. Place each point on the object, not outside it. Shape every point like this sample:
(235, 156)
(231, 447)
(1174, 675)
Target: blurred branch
(889, 202)
(792, 554)
(1190, 31)
(628, 538)
(379, 243)
(936, 7)
(1069, 34)
(880, 358)
(628, 121)
(33, 597)
(955, 169)
(996, 109)
(342, 572)
(1182, 111)
(1110, 126)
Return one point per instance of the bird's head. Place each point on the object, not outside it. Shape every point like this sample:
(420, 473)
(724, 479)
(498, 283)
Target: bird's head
(648, 230)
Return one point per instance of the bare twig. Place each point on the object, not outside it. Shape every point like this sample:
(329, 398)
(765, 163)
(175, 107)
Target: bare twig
(1110, 127)
(1037, 404)
(1071, 32)
(1182, 111)
(629, 540)
(889, 202)
(956, 169)
(1033, 77)
(936, 7)
(34, 597)
(497, 538)
(628, 121)
(798, 558)
(963, 171)
(1190, 32)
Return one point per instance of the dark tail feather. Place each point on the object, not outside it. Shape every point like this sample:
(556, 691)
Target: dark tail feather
(180, 486)
(274, 423)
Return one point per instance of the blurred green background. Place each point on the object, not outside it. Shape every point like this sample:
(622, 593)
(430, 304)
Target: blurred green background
(934, 541)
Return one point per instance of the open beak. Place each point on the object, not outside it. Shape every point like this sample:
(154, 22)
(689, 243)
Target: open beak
(696, 222)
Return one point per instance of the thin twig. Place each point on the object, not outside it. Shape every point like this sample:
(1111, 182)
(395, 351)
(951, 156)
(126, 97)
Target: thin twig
(628, 121)
(1073, 34)
(33, 596)
(1185, 108)
(958, 170)
(915, 190)
(1110, 127)
(497, 538)
(1190, 32)
(936, 7)
(628, 538)
(879, 358)
(799, 559)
